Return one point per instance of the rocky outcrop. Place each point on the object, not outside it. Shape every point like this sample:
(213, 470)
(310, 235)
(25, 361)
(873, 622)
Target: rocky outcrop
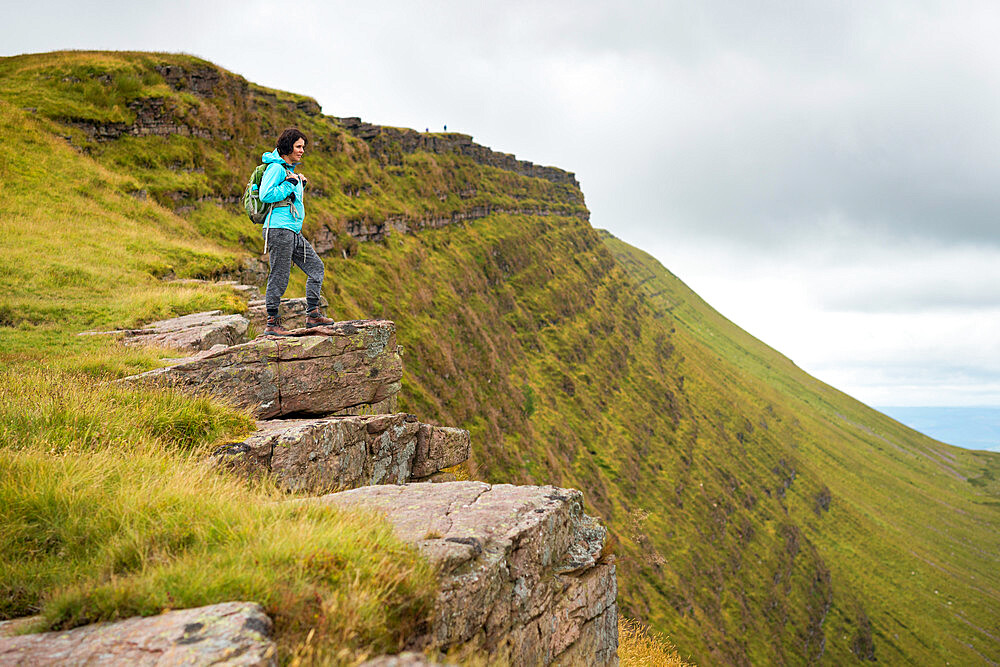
(232, 633)
(198, 332)
(200, 80)
(344, 368)
(522, 571)
(375, 230)
(189, 333)
(522, 574)
(322, 455)
(154, 116)
(385, 141)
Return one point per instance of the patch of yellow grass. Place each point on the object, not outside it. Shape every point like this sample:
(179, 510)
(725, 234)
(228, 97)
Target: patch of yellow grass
(638, 647)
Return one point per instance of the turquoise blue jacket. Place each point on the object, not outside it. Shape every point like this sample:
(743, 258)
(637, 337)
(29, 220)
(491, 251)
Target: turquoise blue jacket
(274, 188)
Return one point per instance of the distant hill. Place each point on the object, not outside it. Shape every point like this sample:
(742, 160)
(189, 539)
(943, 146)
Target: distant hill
(761, 517)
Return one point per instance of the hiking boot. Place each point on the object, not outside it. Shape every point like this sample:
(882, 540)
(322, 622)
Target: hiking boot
(274, 327)
(314, 318)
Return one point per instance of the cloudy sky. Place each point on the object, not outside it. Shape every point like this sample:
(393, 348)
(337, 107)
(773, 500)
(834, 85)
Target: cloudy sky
(825, 174)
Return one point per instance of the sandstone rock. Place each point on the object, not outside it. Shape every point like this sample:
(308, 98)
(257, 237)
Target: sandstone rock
(194, 332)
(522, 572)
(334, 453)
(320, 371)
(232, 633)
(292, 312)
(322, 455)
(439, 447)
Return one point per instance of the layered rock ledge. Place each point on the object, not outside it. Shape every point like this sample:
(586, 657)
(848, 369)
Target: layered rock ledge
(232, 633)
(522, 573)
(322, 455)
(344, 368)
(190, 333)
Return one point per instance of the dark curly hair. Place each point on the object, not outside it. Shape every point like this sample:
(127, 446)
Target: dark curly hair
(287, 140)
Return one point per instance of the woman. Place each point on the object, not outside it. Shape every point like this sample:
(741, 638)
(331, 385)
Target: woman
(284, 189)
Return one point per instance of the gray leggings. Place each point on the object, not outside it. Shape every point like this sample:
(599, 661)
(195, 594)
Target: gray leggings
(285, 247)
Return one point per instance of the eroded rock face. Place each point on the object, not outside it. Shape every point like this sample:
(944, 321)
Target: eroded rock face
(232, 633)
(323, 455)
(522, 572)
(347, 366)
(382, 138)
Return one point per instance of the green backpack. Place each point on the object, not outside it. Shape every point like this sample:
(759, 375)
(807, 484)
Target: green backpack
(256, 209)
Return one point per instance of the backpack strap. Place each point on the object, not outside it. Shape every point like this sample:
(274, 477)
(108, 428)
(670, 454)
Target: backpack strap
(287, 201)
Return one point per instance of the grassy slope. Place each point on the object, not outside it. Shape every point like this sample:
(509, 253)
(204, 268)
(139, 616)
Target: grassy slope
(912, 524)
(760, 514)
(106, 509)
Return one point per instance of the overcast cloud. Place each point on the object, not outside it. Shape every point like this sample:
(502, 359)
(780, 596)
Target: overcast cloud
(824, 173)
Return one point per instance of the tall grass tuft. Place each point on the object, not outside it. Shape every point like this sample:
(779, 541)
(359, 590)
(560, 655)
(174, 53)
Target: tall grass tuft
(109, 509)
(59, 413)
(638, 647)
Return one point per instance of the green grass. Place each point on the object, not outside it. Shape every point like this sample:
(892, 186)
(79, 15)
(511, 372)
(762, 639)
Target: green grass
(80, 85)
(108, 509)
(726, 450)
(759, 515)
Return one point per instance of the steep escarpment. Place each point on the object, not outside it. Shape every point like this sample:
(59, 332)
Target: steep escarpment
(760, 516)
(189, 133)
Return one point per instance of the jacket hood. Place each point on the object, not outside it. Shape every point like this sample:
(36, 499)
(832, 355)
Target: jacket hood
(268, 158)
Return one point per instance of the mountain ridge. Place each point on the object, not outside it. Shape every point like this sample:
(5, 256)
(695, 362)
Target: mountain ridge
(744, 494)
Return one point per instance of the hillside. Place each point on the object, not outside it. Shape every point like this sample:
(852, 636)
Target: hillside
(761, 516)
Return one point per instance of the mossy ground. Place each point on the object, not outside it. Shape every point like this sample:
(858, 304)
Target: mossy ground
(759, 515)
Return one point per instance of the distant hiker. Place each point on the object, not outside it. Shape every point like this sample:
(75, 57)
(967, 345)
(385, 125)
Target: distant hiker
(285, 190)
(445, 128)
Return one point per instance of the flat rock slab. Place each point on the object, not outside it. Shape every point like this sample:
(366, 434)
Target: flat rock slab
(522, 573)
(232, 633)
(334, 453)
(344, 367)
(191, 333)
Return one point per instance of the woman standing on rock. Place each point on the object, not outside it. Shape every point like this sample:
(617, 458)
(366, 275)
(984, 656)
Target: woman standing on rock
(285, 191)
